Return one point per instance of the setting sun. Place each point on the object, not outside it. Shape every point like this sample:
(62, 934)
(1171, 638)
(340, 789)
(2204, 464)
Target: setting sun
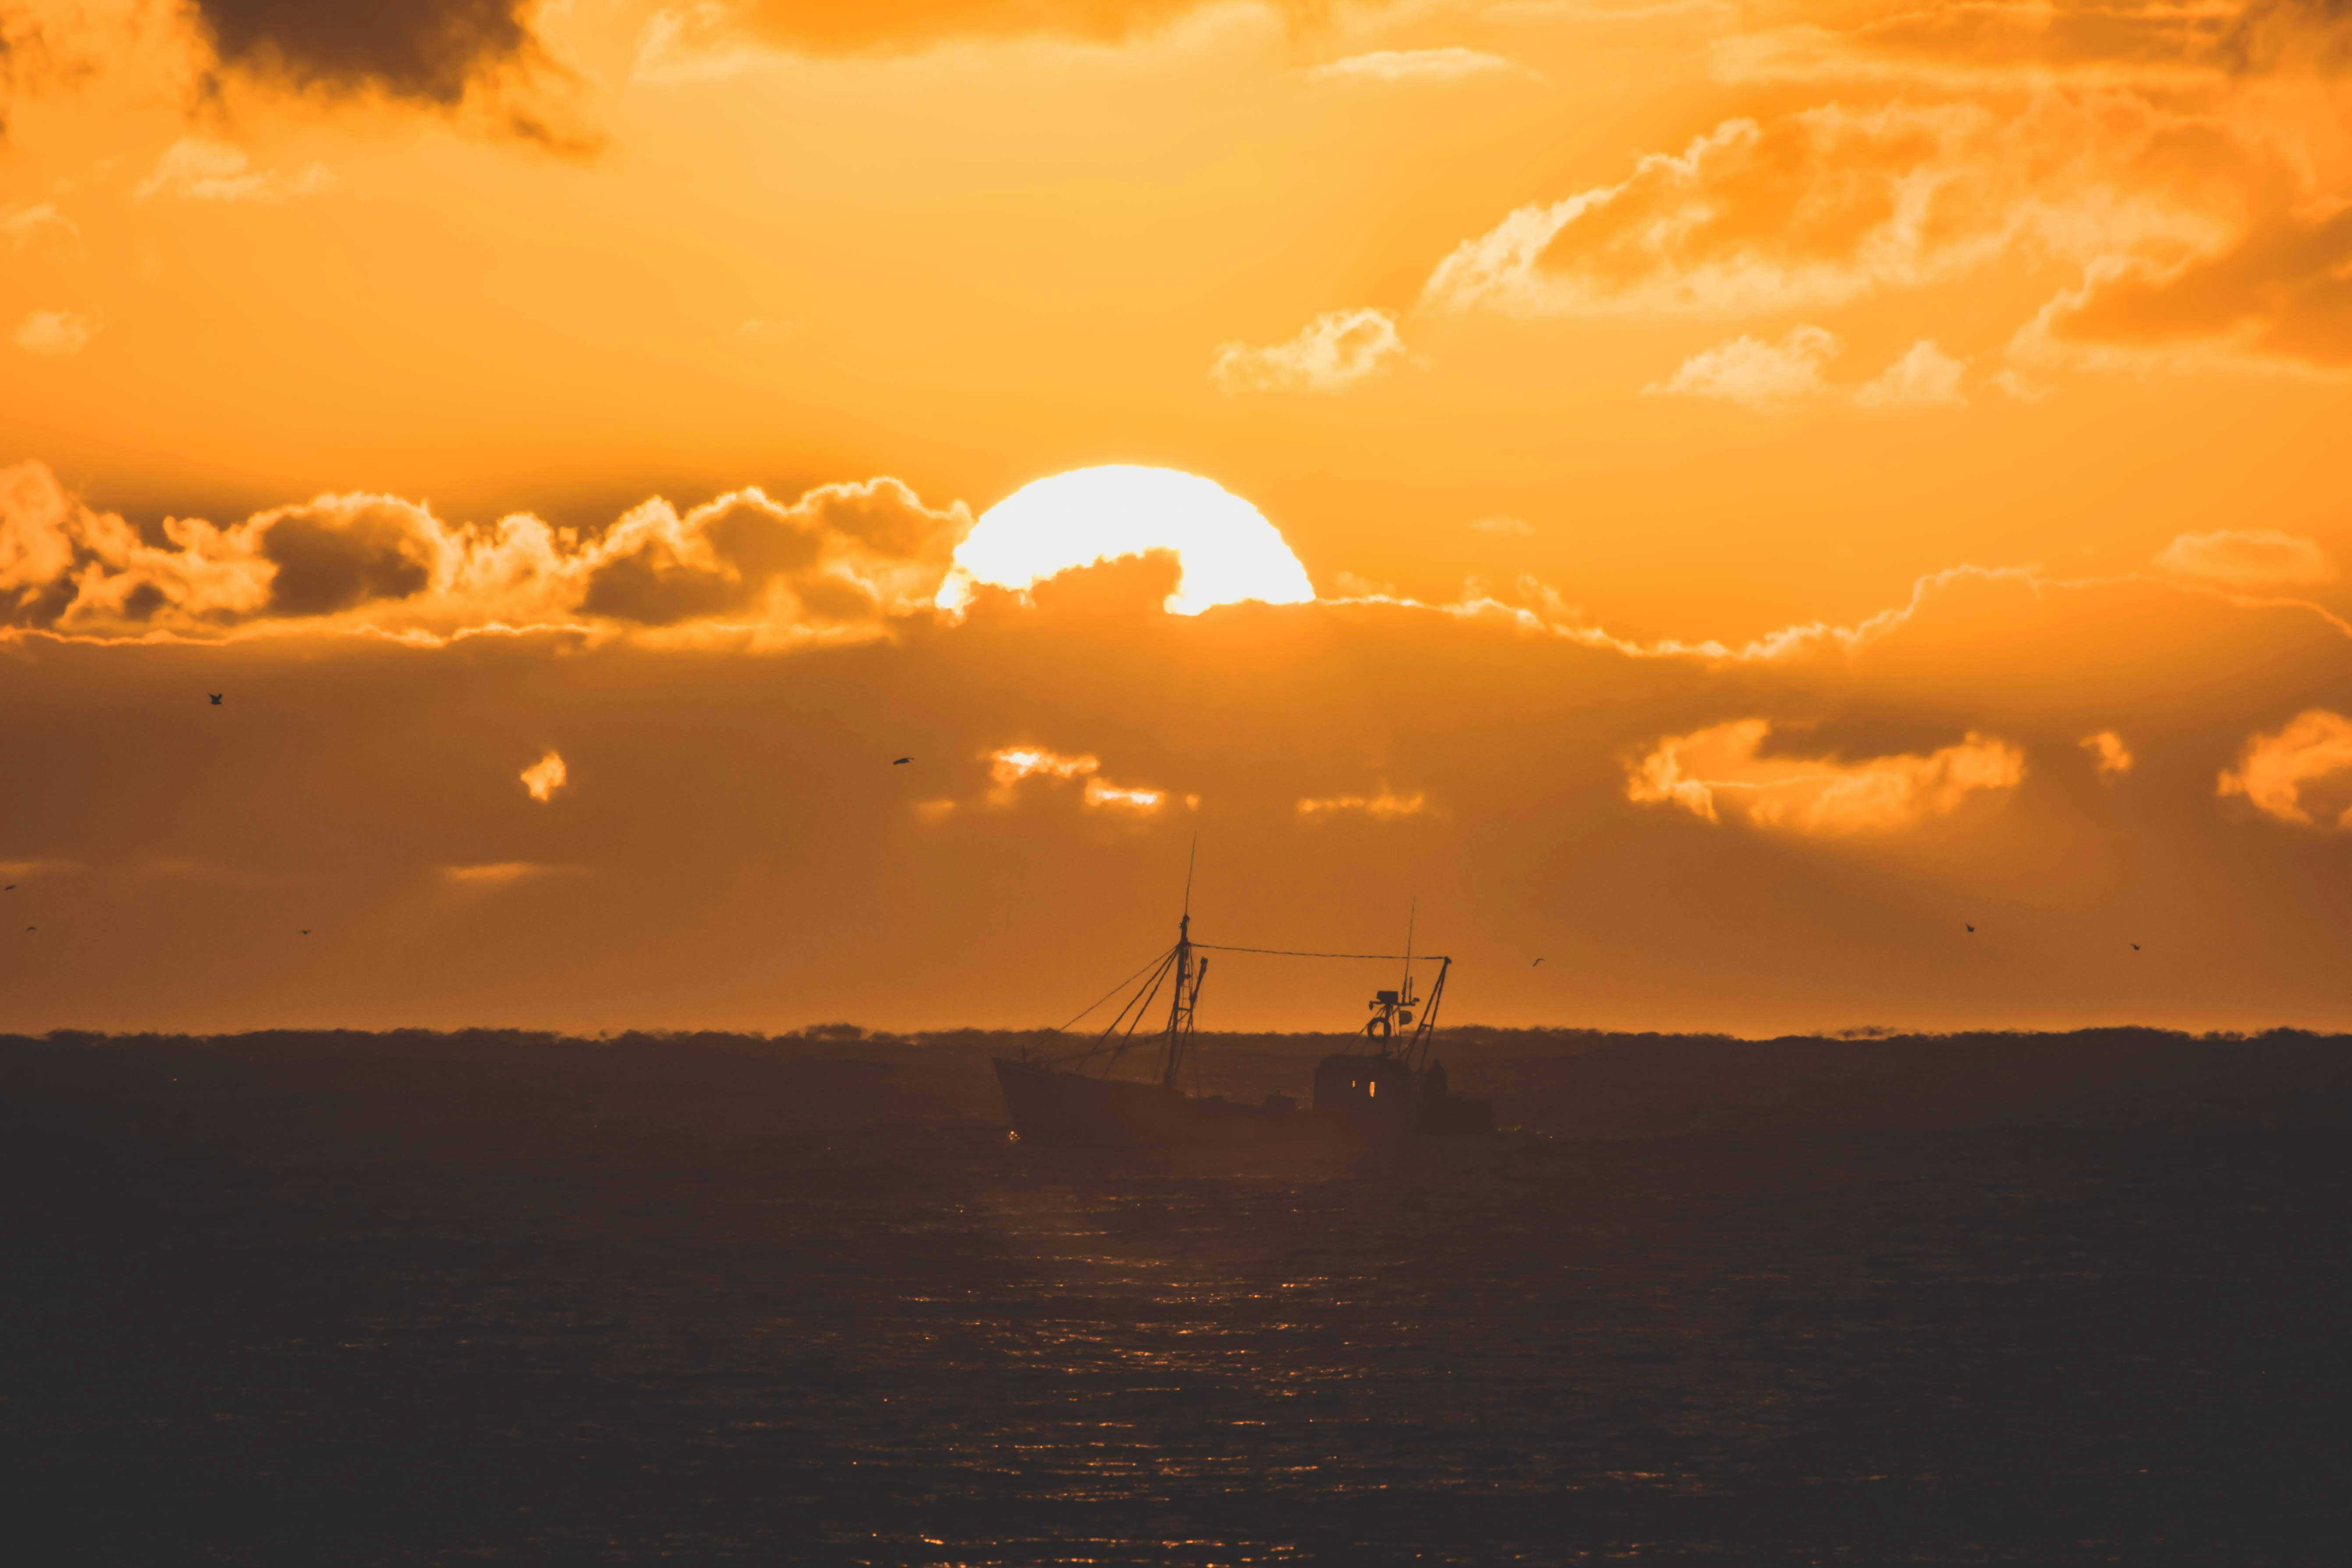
(1227, 548)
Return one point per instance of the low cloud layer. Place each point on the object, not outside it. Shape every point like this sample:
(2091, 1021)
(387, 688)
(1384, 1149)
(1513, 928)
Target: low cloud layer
(1753, 835)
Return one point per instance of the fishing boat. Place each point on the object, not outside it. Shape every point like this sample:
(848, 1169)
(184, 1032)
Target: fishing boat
(1388, 1090)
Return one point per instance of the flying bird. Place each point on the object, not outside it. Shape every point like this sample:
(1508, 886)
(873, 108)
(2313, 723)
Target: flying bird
(30, 929)
(2134, 947)
(1536, 962)
(9, 888)
(902, 762)
(306, 930)
(215, 696)
(1972, 928)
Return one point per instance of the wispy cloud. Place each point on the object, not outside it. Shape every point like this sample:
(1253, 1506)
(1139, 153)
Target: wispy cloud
(1925, 377)
(1451, 64)
(1385, 807)
(1335, 350)
(2247, 558)
(1768, 377)
(199, 170)
(495, 873)
(55, 333)
(42, 225)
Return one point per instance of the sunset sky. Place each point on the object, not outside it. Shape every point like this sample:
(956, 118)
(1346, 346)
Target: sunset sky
(1717, 497)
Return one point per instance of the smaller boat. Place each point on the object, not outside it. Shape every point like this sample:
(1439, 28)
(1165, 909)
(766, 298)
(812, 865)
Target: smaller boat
(1389, 1091)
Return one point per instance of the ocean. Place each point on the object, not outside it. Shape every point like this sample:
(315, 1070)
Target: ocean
(374, 1299)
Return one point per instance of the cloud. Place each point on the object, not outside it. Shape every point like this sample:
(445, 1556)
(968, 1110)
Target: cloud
(1507, 527)
(1711, 770)
(1517, 731)
(1452, 64)
(1385, 807)
(1769, 377)
(198, 169)
(1813, 208)
(2195, 230)
(2180, 229)
(545, 776)
(1101, 795)
(1334, 350)
(2250, 558)
(1783, 376)
(423, 51)
(899, 26)
(495, 873)
(1010, 766)
(55, 333)
(2154, 45)
(329, 557)
(2277, 290)
(843, 560)
(2284, 775)
(1925, 377)
(2108, 754)
(2175, 234)
(42, 225)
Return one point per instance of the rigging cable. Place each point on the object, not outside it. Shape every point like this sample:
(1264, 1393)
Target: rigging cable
(1154, 960)
(1285, 952)
(1142, 1006)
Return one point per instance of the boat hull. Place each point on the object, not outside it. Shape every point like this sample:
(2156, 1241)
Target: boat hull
(1052, 1106)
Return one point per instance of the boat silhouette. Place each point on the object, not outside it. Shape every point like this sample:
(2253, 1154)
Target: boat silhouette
(1380, 1095)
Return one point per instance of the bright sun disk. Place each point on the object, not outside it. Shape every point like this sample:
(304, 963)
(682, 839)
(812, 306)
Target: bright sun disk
(1227, 549)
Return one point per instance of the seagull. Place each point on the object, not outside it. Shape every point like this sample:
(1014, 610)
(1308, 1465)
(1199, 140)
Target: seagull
(306, 930)
(1972, 928)
(1533, 965)
(215, 696)
(902, 762)
(2134, 947)
(29, 930)
(9, 888)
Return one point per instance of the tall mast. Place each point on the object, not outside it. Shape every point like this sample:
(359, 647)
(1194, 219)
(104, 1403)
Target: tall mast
(1188, 983)
(1177, 1005)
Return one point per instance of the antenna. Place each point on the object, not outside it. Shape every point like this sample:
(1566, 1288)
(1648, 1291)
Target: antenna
(1195, 855)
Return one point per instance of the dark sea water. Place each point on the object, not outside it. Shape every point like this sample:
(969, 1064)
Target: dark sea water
(329, 1302)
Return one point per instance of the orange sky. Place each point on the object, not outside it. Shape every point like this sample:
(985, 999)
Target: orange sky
(1781, 484)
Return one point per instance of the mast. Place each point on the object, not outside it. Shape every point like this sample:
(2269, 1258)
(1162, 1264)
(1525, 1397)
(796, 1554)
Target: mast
(1426, 1033)
(1187, 981)
(1182, 1005)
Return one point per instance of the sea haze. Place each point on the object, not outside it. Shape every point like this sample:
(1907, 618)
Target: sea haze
(349, 1297)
